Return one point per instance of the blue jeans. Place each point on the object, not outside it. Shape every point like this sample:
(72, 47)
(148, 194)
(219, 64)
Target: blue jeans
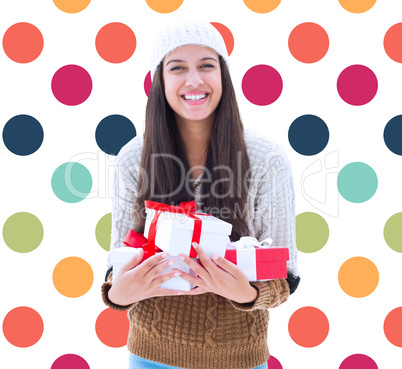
(137, 362)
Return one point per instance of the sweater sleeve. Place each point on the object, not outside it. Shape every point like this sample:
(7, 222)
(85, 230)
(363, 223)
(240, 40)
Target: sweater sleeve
(125, 184)
(274, 217)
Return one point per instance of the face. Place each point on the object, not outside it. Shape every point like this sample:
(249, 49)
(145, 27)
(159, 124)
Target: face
(192, 79)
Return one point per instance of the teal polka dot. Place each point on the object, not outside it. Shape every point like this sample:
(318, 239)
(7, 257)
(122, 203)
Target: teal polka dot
(357, 182)
(71, 182)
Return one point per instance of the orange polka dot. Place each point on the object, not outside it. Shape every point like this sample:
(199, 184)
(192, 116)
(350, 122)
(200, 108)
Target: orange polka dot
(23, 42)
(262, 6)
(73, 277)
(23, 327)
(358, 277)
(393, 41)
(308, 326)
(393, 327)
(115, 42)
(71, 6)
(357, 6)
(226, 35)
(112, 327)
(164, 6)
(308, 42)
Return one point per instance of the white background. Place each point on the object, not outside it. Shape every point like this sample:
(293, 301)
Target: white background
(356, 134)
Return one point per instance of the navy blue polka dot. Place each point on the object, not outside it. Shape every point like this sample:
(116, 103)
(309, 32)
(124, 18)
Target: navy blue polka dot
(113, 132)
(308, 135)
(393, 135)
(23, 135)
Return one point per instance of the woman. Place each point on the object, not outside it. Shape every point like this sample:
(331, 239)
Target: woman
(195, 148)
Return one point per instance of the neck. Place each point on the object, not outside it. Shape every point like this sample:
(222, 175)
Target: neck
(195, 135)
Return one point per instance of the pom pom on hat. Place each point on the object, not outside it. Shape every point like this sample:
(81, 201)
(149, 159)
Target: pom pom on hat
(186, 31)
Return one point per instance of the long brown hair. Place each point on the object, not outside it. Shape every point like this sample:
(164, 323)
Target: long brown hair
(224, 197)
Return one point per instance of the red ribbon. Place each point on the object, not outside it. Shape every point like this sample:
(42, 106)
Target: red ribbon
(137, 240)
(186, 207)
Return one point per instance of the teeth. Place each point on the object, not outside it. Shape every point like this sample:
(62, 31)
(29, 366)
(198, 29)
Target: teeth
(194, 97)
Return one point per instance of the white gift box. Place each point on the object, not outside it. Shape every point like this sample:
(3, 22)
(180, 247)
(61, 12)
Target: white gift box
(122, 255)
(174, 232)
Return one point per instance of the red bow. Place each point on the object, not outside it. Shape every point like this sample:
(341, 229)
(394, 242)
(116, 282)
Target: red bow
(189, 208)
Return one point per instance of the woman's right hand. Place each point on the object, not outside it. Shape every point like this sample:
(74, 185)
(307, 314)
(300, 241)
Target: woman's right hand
(136, 282)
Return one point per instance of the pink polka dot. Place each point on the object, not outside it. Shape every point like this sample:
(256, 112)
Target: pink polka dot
(358, 361)
(70, 361)
(273, 363)
(262, 85)
(147, 83)
(71, 85)
(357, 85)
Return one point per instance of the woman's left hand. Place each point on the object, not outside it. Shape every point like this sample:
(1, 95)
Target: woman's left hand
(219, 276)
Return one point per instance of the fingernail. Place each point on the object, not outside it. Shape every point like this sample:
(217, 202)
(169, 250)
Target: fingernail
(171, 262)
(195, 245)
(215, 256)
(182, 257)
(180, 293)
(176, 274)
(165, 254)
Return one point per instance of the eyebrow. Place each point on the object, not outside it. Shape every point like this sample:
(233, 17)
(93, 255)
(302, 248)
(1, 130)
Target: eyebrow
(182, 61)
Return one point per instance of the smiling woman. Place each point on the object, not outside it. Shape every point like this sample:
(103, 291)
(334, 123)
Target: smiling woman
(193, 126)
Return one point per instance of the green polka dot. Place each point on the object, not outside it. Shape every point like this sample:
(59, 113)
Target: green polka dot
(312, 232)
(71, 182)
(23, 232)
(103, 231)
(357, 182)
(393, 232)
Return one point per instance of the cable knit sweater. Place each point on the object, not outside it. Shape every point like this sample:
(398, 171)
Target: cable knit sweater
(208, 331)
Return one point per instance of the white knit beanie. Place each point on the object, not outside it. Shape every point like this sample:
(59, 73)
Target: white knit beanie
(181, 32)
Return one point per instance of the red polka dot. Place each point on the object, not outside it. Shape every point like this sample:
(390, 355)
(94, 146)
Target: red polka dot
(71, 85)
(308, 326)
(226, 35)
(112, 327)
(115, 42)
(308, 42)
(393, 327)
(262, 85)
(70, 361)
(147, 83)
(357, 85)
(23, 327)
(23, 42)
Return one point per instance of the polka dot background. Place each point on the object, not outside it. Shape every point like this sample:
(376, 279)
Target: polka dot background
(73, 92)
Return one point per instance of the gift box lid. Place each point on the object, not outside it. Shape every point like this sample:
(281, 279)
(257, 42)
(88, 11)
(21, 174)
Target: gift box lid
(183, 221)
(262, 254)
(122, 254)
(273, 254)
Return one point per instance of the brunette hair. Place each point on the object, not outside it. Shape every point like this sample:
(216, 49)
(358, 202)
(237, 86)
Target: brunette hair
(223, 197)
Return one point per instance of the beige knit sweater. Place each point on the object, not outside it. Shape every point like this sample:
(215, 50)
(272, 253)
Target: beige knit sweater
(209, 331)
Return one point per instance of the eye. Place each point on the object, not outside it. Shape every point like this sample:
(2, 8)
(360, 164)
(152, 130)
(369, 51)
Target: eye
(207, 66)
(177, 67)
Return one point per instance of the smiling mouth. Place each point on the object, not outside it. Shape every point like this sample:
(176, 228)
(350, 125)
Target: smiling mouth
(194, 97)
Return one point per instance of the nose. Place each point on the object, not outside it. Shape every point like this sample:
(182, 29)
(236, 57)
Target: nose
(193, 78)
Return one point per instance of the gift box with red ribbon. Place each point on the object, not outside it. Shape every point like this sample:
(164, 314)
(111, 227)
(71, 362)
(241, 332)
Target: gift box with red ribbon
(174, 228)
(134, 241)
(258, 260)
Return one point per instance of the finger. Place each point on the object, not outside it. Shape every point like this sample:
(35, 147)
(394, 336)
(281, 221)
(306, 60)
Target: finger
(159, 268)
(202, 255)
(133, 262)
(162, 278)
(196, 281)
(227, 266)
(195, 266)
(196, 291)
(152, 261)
